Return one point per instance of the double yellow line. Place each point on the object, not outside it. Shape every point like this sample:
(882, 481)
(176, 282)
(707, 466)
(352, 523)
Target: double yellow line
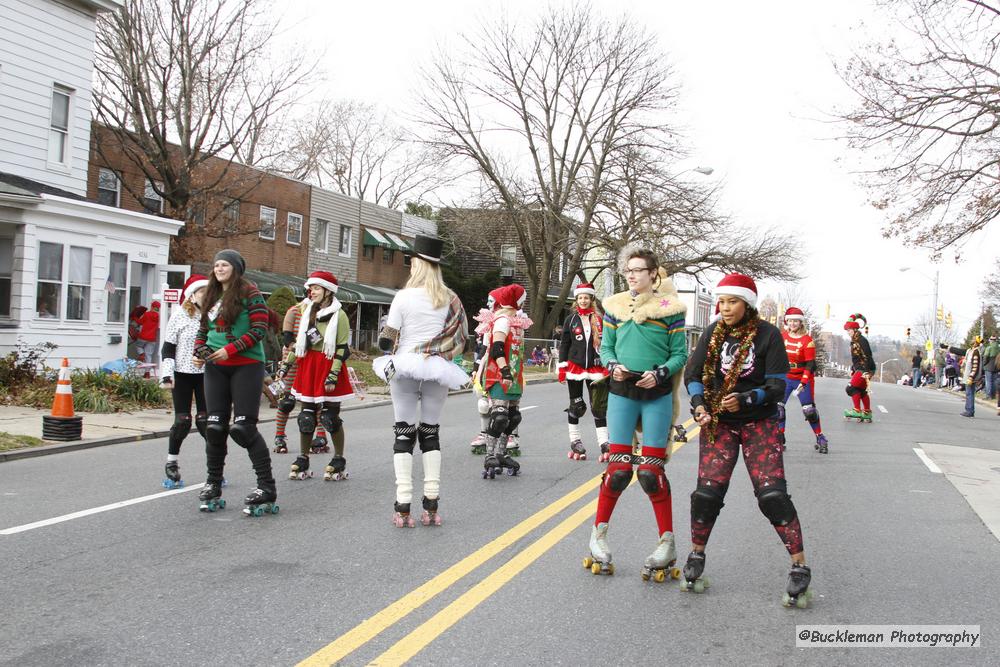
(423, 635)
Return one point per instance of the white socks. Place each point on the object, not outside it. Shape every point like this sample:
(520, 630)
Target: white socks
(403, 463)
(432, 473)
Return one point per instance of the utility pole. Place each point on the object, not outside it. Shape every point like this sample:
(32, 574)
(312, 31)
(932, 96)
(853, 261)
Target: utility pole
(937, 275)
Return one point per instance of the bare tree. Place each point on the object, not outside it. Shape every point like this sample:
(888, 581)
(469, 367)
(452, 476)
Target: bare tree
(186, 88)
(990, 291)
(538, 112)
(928, 111)
(359, 151)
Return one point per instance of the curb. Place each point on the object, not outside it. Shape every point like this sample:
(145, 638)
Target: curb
(45, 450)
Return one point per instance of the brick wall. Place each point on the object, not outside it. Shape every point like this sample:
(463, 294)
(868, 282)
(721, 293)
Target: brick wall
(375, 271)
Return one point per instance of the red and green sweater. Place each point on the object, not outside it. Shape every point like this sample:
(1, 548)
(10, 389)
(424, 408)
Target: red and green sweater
(243, 339)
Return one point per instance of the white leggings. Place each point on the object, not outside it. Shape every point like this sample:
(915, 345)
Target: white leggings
(408, 393)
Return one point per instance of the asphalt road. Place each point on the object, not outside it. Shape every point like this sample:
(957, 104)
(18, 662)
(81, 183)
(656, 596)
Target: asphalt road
(329, 579)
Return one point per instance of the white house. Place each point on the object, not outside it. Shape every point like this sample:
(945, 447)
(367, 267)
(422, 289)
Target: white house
(70, 269)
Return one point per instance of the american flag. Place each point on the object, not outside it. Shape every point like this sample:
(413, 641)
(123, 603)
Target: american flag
(109, 286)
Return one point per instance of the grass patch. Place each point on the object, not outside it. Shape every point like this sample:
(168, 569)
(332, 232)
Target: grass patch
(8, 441)
(93, 391)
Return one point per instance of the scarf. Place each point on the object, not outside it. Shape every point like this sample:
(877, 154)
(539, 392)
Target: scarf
(451, 341)
(596, 326)
(744, 333)
(329, 339)
(857, 351)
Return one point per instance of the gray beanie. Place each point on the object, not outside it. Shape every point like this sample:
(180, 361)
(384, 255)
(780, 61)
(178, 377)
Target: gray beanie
(234, 258)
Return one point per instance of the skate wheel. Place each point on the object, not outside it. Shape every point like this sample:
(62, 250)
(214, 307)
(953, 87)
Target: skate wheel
(644, 574)
(595, 568)
(611, 568)
(587, 562)
(274, 509)
(675, 573)
(660, 576)
(802, 602)
(786, 600)
(222, 503)
(258, 511)
(699, 586)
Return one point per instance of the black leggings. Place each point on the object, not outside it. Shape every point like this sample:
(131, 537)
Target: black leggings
(186, 385)
(235, 391)
(598, 400)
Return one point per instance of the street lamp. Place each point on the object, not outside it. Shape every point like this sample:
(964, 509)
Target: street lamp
(937, 276)
(881, 368)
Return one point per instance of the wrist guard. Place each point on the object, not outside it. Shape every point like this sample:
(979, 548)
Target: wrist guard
(746, 399)
(506, 374)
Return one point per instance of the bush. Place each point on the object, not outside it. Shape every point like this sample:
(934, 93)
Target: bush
(93, 391)
(21, 366)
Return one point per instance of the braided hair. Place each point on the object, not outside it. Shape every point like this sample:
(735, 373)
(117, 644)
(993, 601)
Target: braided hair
(744, 332)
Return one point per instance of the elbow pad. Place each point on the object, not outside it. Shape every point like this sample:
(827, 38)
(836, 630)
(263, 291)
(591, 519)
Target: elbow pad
(497, 350)
(385, 344)
(168, 351)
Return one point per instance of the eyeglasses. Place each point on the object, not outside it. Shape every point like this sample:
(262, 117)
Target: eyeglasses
(629, 272)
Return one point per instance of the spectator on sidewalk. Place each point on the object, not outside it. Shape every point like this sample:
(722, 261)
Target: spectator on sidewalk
(149, 330)
(972, 372)
(950, 369)
(915, 364)
(939, 364)
(990, 366)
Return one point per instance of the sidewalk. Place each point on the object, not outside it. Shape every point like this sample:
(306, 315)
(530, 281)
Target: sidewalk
(118, 427)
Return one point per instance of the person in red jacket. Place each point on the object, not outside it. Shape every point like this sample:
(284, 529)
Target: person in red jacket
(149, 329)
(801, 381)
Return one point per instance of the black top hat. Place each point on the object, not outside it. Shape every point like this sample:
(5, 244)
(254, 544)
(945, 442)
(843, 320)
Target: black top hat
(427, 248)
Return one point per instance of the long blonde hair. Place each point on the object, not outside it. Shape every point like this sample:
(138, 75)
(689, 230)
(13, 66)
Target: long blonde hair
(428, 276)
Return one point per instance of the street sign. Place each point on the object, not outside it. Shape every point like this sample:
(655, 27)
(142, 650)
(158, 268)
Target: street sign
(172, 296)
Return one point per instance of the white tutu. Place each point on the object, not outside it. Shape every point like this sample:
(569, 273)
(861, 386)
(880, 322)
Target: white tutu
(424, 368)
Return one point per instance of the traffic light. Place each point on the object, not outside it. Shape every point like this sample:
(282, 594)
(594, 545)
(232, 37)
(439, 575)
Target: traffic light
(940, 314)
(948, 321)
(907, 333)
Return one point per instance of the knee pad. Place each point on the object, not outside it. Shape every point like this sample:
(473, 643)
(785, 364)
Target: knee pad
(307, 421)
(776, 504)
(811, 415)
(483, 405)
(706, 503)
(181, 427)
(499, 421)
(216, 432)
(577, 408)
(406, 438)
(200, 422)
(852, 390)
(599, 400)
(649, 476)
(286, 403)
(429, 437)
(618, 476)
(513, 420)
(244, 433)
(330, 421)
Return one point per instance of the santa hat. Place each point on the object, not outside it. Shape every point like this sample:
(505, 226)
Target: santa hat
(193, 284)
(324, 279)
(509, 296)
(584, 288)
(738, 285)
(794, 313)
(853, 323)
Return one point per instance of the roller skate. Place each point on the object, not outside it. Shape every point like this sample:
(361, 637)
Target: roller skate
(866, 416)
(478, 444)
(260, 501)
(577, 452)
(659, 565)
(491, 466)
(853, 414)
(280, 445)
(821, 444)
(509, 465)
(335, 470)
(514, 445)
(599, 560)
(319, 445)
(605, 453)
(680, 433)
(798, 593)
(430, 517)
(401, 518)
(211, 497)
(173, 476)
(691, 579)
(300, 469)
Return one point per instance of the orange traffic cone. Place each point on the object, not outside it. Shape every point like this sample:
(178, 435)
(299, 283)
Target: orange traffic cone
(62, 424)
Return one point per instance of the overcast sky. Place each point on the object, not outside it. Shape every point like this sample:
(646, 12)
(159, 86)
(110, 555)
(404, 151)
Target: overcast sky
(758, 81)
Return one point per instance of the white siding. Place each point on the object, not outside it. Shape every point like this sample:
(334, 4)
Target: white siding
(337, 210)
(43, 43)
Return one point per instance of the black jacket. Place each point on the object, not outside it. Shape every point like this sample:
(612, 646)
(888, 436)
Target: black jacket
(866, 361)
(575, 346)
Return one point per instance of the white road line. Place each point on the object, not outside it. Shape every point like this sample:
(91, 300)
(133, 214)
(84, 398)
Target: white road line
(96, 510)
(882, 408)
(927, 460)
(530, 407)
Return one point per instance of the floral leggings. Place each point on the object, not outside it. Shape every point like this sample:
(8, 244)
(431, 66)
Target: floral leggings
(763, 457)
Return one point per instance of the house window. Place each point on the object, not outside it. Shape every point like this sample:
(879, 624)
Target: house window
(345, 241)
(196, 215)
(406, 259)
(508, 260)
(50, 260)
(368, 253)
(322, 236)
(268, 216)
(6, 274)
(231, 216)
(388, 255)
(78, 288)
(152, 201)
(59, 126)
(115, 286)
(294, 233)
(109, 188)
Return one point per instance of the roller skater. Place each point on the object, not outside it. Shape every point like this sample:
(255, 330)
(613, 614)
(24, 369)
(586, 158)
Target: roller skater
(800, 381)
(736, 380)
(229, 345)
(286, 375)
(644, 349)
(862, 368)
(425, 330)
(501, 374)
(321, 383)
(335, 470)
(181, 376)
(579, 364)
(211, 497)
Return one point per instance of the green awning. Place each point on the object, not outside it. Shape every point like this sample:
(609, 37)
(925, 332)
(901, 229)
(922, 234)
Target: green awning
(397, 241)
(376, 238)
(368, 293)
(348, 293)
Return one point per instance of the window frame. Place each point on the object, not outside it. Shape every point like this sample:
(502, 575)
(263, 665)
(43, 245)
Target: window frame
(231, 224)
(86, 286)
(274, 223)
(288, 228)
(50, 281)
(368, 253)
(388, 256)
(156, 196)
(350, 240)
(9, 279)
(322, 230)
(119, 290)
(117, 190)
(66, 133)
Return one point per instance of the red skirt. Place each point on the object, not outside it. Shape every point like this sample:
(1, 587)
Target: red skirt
(573, 371)
(310, 378)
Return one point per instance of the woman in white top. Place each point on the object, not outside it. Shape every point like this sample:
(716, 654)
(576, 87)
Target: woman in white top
(181, 376)
(425, 330)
